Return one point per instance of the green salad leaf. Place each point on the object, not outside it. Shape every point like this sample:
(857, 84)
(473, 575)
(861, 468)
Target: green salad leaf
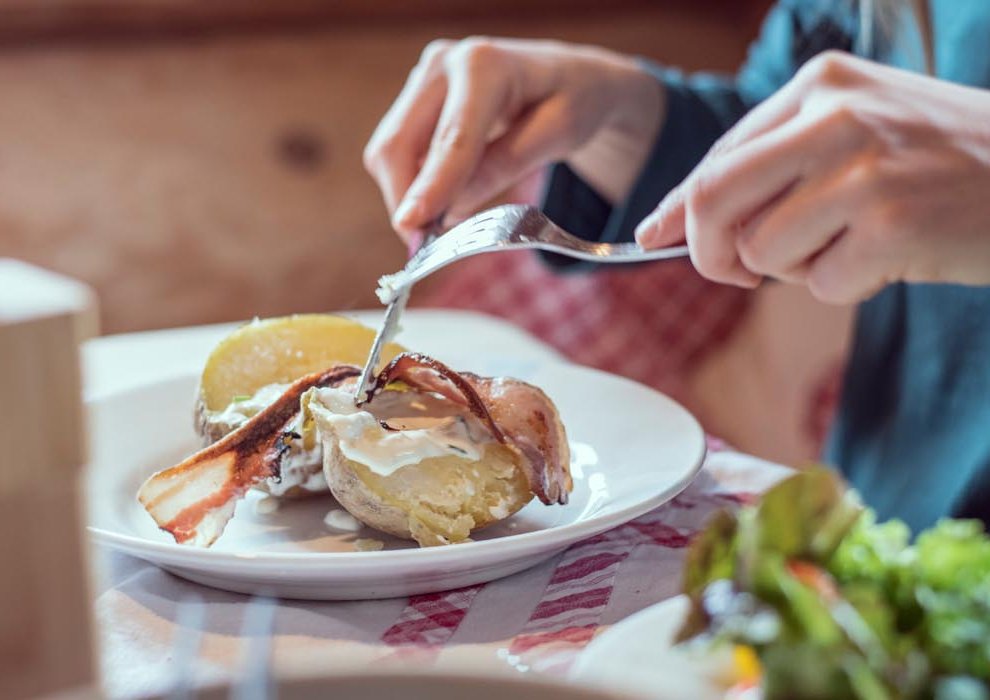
(712, 553)
(838, 605)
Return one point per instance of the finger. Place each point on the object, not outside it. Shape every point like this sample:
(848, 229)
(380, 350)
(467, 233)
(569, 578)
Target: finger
(846, 272)
(717, 197)
(405, 143)
(818, 78)
(719, 265)
(728, 190)
(665, 225)
(773, 112)
(477, 95)
(400, 141)
(537, 138)
(783, 239)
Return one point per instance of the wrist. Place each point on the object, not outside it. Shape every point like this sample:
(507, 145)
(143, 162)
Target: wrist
(613, 158)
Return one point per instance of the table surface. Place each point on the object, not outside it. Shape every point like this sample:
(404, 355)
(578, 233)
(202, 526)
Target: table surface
(537, 620)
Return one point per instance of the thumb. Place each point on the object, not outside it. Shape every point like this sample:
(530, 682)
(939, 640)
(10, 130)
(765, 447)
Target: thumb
(665, 225)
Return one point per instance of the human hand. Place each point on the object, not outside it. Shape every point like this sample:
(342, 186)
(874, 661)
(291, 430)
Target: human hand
(854, 175)
(477, 116)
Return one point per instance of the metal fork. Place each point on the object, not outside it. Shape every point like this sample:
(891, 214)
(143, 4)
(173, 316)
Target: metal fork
(511, 227)
(390, 323)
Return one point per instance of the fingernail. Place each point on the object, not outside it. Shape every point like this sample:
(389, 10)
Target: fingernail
(406, 212)
(646, 229)
(414, 241)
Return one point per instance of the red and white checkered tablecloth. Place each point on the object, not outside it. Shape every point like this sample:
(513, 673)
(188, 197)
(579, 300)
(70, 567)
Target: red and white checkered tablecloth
(647, 322)
(536, 620)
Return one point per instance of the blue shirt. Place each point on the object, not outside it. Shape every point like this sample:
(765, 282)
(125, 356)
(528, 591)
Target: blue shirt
(913, 429)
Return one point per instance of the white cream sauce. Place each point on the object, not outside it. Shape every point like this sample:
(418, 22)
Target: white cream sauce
(424, 427)
(244, 407)
(302, 468)
(340, 519)
(391, 286)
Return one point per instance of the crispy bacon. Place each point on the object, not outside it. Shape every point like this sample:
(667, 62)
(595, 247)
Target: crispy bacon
(195, 499)
(517, 414)
(426, 374)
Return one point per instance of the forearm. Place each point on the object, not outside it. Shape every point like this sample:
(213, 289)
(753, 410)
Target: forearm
(696, 111)
(605, 203)
(611, 163)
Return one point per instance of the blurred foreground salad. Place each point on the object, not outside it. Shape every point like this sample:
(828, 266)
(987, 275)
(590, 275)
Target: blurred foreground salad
(836, 605)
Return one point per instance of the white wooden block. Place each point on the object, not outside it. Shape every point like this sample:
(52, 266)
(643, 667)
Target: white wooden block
(46, 643)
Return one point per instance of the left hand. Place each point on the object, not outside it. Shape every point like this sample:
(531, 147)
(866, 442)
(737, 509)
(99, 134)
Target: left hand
(854, 175)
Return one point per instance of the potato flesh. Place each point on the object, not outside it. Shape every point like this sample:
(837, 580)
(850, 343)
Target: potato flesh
(281, 350)
(445, 499)
(277, 351)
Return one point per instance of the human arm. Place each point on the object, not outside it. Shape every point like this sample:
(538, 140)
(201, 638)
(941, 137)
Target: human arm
(477, 115)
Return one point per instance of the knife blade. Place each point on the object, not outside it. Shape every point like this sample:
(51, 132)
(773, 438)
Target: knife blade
(390, 324)
(385, 333)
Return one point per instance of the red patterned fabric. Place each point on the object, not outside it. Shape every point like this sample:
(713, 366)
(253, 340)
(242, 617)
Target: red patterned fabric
(647, 322)
(572, 605)
(431, 618)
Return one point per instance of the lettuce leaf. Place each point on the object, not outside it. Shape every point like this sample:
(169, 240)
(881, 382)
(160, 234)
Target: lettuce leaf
(854, 608)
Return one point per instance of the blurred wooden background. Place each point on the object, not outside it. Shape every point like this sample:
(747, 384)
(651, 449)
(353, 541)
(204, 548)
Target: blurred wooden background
(201, 161)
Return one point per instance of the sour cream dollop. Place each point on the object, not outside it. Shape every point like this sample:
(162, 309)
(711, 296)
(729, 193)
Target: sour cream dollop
(363, 438)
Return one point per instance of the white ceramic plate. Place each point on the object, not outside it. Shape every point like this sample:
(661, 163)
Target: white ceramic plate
(638, 656)
(632, 450)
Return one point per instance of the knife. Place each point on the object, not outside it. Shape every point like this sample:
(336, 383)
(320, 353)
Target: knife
(390, 324)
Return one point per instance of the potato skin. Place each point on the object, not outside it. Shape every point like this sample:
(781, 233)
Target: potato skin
(412, 504)
(359, 500)
(208, 430)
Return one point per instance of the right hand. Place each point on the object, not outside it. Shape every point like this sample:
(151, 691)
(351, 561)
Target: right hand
(476, 116)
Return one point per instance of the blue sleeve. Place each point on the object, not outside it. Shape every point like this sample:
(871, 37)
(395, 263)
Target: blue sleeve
(699, 109)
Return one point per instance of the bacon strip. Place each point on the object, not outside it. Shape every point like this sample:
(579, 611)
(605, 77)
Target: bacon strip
(531, 424)
(194, 500)
(518, 415)
(426, 374)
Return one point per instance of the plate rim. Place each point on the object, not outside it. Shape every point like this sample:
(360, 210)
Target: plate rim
(524, 543)
(585, 660)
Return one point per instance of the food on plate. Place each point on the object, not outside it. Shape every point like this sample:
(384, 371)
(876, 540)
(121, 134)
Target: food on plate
(444, 453)
(195, 499)
(431, 455)
(818, 600)
(255, 364)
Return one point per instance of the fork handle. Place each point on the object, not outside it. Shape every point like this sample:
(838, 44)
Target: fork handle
(613, 252)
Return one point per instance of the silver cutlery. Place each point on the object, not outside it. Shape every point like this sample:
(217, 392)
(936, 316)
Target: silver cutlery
(508, 227)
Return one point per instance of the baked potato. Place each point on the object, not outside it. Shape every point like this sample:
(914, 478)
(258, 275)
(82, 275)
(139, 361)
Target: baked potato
(437, 500)
(254, 365)
(430, 462)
